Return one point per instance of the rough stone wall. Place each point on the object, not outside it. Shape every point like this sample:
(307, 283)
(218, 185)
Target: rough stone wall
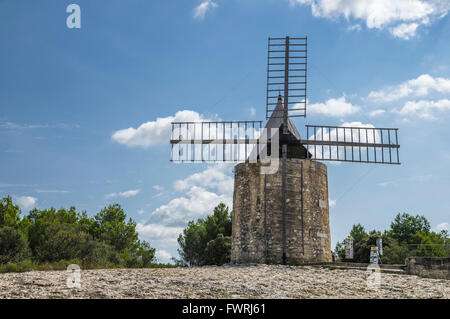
(257, 214)
(430, 267)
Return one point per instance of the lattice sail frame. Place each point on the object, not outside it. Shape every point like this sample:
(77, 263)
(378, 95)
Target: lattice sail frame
(287, 65)
(232, 141)
(240, 141)
(353, 144)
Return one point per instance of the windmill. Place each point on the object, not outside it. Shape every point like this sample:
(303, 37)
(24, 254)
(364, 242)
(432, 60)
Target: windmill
(249, 142)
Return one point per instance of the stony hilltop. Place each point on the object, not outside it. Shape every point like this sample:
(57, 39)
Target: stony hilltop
(250, 281)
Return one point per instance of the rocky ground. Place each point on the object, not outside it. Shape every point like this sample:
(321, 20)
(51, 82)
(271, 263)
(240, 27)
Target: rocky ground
(261, 281)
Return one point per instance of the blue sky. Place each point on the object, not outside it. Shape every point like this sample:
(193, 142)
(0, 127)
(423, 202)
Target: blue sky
(84, 112)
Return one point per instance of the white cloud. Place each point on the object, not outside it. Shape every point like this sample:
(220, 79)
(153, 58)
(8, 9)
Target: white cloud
(379, 14)
(376, 112)
(17, 126)
(202, 192)
(405, 31)
(334, 107)
(341, 134)
(158, 233)
(332, 203)
(141, 211)
(203, 8)
(355, 27)
(26, 202)
(424, 109)
(153, 132)
(443, 226)
(198, 203)
(421, 86)
(126, 194)
(252, 111)
(158, 188)
(385, 184)
(214, 177)
(52, 191)
(163, 256)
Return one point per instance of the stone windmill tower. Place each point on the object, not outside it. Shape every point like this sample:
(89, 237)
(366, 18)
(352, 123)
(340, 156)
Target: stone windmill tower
(280, 202)
(258, 208)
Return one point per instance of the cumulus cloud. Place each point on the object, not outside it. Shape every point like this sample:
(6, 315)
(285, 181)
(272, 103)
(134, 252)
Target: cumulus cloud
(405, 30)
(332, 203)
(213, 177)
(403, 17)
(203, 8)
(443, 226)
(377, 112)
(334, 107)
(341, 134)
(424, 109)
(355, 27)
(163, 256)
(153, 132)
(421, 86)
(201, 193)
(158, 232)
(26, 202)
(198, 203)
(125, 194)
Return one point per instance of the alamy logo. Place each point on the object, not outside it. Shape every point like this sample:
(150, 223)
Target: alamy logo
(74, 19)
(373, 279)
(73, 276)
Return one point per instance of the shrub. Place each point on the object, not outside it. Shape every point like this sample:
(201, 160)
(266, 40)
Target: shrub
(13, 247)
(60, 241)
(218, 251)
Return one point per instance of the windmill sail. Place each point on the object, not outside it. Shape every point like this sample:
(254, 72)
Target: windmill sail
(287, 73)
(353, 144)
(214, 141)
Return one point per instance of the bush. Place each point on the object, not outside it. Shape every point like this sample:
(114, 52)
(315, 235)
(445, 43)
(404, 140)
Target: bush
(56, 238)
(13, 247)
(23, 266)
(197, 236)
(96, 253)
(395, 253)
(218, 251)
(58, 242)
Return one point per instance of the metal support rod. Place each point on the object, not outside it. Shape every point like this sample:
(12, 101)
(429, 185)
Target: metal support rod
(266, 248)
(284, 146)
(283, 191)
(301, 208)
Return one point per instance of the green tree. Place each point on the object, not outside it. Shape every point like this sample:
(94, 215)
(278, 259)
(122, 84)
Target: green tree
(360, 238)
(218, 251)
(13, 246)
(61, 241)
(339, 250)
(53, 235)
(405, 226)
(110, 225)
(197, 236)
(191, 243)
(47, 225)
(146, 254)
(9, 213)
(408, 236)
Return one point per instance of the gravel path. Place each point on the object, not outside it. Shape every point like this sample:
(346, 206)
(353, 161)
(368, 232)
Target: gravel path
(261, 281)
